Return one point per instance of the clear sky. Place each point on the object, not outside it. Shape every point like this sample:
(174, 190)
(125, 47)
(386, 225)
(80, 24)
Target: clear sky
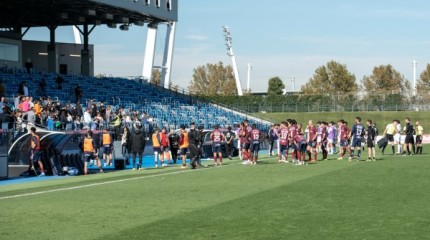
(278, 37)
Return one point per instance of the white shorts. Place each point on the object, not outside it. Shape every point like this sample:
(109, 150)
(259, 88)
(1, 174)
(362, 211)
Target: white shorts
(330, 141)
(397, 138)
(318, 139)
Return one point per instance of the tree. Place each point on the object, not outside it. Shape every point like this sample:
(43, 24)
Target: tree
(213, 79)
(156, 76)
(423, 84)
(386, 80)
(387, 88)
(332, 78)
(276, 87)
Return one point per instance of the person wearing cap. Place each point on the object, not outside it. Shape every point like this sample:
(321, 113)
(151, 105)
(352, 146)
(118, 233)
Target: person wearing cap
(217, 137)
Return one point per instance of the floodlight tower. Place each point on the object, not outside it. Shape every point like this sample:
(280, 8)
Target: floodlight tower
(230, 53)
(249, 77)
(414, 80)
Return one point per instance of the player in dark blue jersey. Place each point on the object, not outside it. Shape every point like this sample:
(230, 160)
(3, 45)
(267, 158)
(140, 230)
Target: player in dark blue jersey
(357, 133)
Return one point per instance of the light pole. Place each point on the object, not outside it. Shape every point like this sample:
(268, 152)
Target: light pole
(230, 53)
(249, 77)
(293, 81)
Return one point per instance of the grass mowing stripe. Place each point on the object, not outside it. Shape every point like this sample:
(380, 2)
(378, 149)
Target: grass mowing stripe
(102, 183)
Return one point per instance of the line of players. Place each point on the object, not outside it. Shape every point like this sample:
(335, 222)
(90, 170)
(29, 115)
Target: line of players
(290, 136)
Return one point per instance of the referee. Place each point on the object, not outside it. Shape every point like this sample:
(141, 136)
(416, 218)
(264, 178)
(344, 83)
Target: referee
(419, 138)
(409, 139)
(389, 132)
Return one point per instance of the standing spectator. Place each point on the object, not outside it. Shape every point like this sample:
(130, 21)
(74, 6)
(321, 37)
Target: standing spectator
(28, 65)
(42, 87)
(117, 125)
(21, 89)
(78, 93)
(25, 89)
(125, 142)
(108, 113)
(59, 80)
(17, 101)
(31, 116)
(87, 119)
(2, 89)
(137, 146)
(2, 103)
(35, 152)
(174, 145)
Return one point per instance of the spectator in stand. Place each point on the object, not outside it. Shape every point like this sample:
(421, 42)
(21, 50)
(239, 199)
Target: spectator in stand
(59, 80)
(117, 125)
(125, 142)
(87, 119)
(38, 112)
(21, 88)
(2, 89)
(25, 105)
(108, 113)
(78, 93)
(31, 116)
(79, 111)
(17, 101)
(2, 103)
(42, 87)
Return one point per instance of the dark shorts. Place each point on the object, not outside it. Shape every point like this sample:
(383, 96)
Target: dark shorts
(88, 156)
(216, 148)
(419, 139)
(344, 143)
(255, 147)
(283, 148)
(183, 151)
(36, 155)
(356, 142)
(389, 137)
(302, 146)
(370, 143)
(246, 146)
(409, 139)
(107, 149)
(157, 150)
(312, 144)
(165, 149)
(293, 146)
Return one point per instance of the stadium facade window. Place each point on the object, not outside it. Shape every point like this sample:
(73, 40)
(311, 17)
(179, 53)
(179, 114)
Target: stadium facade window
(9, 52)
(169, 5)
(157, 2)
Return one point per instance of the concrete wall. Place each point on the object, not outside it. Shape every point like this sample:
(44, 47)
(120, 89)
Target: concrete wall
(67, 54)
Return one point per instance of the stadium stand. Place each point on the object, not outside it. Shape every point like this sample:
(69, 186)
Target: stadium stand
(168, 108)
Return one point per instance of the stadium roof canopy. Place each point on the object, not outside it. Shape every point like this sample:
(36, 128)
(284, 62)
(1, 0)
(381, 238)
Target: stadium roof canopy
(39, 13)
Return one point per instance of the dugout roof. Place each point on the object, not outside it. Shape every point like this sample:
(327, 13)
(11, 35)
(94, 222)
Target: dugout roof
(39, 13)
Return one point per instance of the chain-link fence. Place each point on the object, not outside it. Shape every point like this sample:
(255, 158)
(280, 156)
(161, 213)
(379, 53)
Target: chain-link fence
(327, 103)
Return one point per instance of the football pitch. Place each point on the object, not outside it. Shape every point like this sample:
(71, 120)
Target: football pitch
(386, 199)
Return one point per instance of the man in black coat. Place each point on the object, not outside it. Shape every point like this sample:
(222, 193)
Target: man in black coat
(137, 145)
(174, 145)
(194, 139)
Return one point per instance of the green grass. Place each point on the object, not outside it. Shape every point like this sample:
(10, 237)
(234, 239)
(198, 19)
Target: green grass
(387, 199)
(381, 118)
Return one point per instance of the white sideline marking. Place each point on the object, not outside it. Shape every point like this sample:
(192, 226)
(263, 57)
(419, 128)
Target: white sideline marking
(108, 182)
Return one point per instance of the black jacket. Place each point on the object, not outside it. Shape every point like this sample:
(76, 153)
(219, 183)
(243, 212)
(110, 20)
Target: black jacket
(194, 137)
(137, 142)
(174, 140)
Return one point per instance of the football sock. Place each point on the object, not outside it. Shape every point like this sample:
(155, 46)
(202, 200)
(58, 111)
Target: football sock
(392, 147)
(359, 153)
(352, 153)
(413, 148)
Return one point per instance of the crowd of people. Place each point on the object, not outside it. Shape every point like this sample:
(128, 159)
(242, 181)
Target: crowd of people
(305, 143)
